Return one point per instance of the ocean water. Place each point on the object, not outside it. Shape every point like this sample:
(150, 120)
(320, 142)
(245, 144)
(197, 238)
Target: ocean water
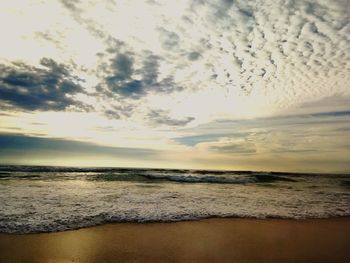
(46, 199)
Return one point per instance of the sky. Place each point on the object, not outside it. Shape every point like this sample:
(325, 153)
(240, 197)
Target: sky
(198, 84)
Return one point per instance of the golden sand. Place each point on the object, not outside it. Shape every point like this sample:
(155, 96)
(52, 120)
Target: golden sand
(211, 240)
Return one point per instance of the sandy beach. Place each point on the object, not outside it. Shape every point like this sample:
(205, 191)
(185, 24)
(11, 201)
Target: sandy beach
(210, 240)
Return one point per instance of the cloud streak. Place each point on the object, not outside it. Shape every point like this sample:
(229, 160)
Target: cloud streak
(20, 144)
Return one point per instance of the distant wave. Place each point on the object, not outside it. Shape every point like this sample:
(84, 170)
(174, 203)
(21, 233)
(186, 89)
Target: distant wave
(154, 175)
(227, 178)
(27, 168)
(139, 175)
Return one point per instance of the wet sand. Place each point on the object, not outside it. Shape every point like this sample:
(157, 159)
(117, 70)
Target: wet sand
(211, 240)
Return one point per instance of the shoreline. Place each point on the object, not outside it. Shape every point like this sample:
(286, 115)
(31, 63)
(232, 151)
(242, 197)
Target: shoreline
(346, 217)
(205, 240)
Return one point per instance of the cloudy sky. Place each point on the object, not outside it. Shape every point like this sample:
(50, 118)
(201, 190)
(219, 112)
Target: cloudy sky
(224, 84)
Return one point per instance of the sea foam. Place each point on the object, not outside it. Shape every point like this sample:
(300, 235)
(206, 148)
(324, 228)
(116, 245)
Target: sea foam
(46, 199)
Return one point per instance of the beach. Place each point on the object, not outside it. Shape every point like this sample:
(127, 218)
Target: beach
(209, 240)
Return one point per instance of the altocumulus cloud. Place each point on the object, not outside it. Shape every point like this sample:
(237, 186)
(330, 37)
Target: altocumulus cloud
(286, 52)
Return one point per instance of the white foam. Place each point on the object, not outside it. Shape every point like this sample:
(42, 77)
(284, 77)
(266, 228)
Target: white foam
(53, 205)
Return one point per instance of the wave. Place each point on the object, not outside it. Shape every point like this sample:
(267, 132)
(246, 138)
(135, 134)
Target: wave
(4, 169)
(90, 221)
(141, 175)
(192, 178)
(48, 199)
(148, 177)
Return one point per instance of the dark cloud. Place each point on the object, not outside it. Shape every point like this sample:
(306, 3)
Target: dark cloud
(331, 114)
(194, 55)
(160, 117)
(167, 85)
(169, 40)
(150, 69)
(31, 88)
(19, 144)
(71, 4)
(132, 88)
(112, 114)
(124, 78)
(121, 80)
(117, 112)
(122, 66)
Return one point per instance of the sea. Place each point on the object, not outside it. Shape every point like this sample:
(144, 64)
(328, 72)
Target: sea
(37, 199)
